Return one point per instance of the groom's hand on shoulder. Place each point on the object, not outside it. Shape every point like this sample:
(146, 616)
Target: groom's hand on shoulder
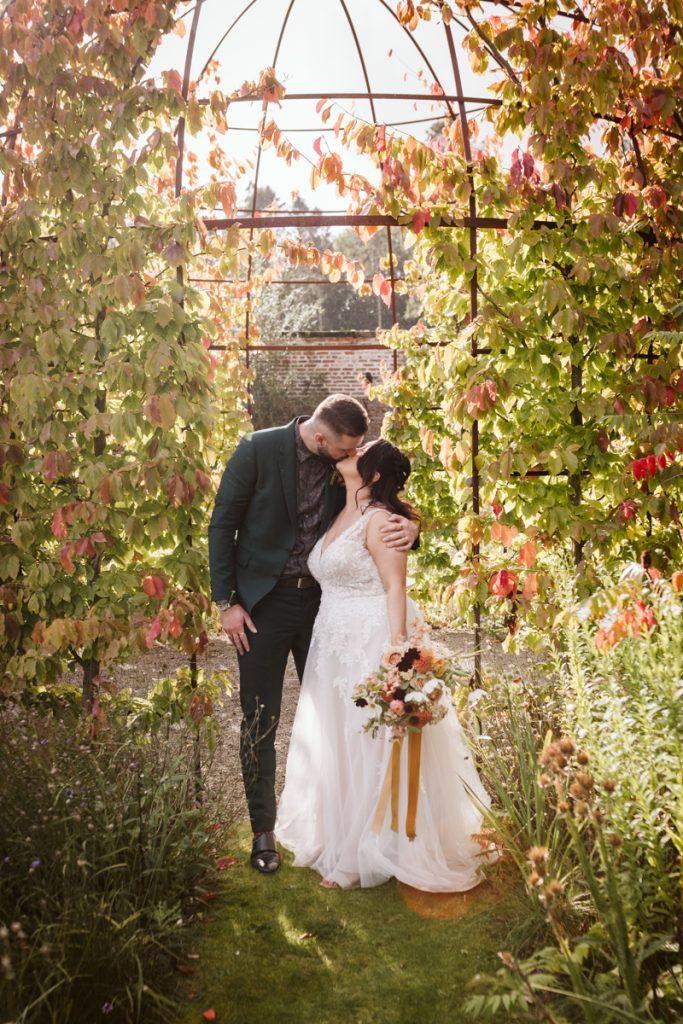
(235, 622)
(399, 532)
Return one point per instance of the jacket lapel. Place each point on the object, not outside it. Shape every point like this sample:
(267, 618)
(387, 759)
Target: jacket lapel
(288, 468)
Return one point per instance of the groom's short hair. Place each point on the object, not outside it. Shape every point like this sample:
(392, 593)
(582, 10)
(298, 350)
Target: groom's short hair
(343, 415)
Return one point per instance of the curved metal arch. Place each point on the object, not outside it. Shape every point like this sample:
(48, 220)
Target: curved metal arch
(373, 112)
(424, 56)
(224, 37)
(257, 169)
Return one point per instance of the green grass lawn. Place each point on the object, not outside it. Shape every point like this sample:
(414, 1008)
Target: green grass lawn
(280, 948)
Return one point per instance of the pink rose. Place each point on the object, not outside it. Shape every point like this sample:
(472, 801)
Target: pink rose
(397, 707)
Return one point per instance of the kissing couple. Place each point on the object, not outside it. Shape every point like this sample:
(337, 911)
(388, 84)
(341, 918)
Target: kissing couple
(308, 547)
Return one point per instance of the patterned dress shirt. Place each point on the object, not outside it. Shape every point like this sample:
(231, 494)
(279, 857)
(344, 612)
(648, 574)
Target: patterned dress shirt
(311, 473)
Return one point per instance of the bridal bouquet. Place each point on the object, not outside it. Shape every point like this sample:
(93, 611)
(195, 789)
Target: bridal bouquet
(406, 691)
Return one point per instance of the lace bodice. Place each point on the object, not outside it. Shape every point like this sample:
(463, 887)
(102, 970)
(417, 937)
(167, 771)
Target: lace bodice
(344, 567)
(353, 610)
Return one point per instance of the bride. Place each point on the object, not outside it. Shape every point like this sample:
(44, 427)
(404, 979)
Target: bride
(335, 771)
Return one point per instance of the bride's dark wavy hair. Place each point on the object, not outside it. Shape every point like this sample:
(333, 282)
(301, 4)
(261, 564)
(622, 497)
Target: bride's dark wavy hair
(393, 467)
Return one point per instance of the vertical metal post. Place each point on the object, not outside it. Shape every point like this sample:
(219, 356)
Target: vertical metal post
(473, 315)
(394, 318)
(198, 788)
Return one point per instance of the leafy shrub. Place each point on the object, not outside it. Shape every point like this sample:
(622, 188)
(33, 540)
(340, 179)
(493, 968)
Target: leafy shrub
(103, 846)
(601, 809)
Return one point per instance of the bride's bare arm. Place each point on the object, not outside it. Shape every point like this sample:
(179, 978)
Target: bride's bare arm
(391, 565)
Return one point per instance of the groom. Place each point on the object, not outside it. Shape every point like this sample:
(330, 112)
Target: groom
(276, 497)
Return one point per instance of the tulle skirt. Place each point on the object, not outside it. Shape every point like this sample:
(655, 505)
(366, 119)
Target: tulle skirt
(335, 772)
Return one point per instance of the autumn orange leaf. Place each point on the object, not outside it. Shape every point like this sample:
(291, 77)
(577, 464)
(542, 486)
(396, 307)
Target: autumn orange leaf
(527, 554)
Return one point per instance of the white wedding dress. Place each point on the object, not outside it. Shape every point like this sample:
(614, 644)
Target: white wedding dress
(335, 770)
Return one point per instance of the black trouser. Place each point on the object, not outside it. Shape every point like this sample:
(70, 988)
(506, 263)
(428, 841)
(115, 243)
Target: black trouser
(284, 620)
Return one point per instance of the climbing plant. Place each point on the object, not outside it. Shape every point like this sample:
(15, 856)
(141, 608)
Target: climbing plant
(106, 398)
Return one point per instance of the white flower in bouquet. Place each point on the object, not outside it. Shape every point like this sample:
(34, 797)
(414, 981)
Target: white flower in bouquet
(433, 688)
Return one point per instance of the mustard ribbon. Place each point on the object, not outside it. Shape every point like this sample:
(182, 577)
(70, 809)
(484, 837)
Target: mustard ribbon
(391, 783)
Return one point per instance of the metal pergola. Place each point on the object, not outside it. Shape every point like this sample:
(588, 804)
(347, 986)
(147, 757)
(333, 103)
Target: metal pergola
(455, 105)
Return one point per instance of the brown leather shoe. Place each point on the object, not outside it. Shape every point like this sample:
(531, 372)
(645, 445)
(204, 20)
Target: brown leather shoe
(264, 855)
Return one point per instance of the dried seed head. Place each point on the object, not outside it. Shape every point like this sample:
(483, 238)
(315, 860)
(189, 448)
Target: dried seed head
(609, 785)
(566, 745)
(553, 888)
(537, 855)
(563, 806)
(544, 780)
(581, 809)
(585, 779)
(534, 878)
(615, 840)
(582, 757)
(577, 790)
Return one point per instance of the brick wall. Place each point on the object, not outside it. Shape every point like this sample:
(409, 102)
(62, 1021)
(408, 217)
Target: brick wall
(337, 370)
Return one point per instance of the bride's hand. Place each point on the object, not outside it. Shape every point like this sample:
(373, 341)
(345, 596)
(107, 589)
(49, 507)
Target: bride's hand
(399, 533)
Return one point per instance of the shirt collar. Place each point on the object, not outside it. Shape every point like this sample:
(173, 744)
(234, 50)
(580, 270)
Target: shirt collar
(302, 452)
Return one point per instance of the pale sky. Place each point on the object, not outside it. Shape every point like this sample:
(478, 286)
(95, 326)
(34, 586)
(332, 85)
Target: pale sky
(318, 55)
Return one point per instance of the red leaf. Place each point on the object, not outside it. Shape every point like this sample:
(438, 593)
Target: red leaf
(65, 558)
(148, 586)
(75, 24)
(153, 631)
(630, 204)
(104, 490)
(497, 509)
(4, 495)
(209, 1015)
(639, 469)
(226, 862)
(174, 81)
(385, 293)
(175, 629)
(377, 282)
(420, 219)
(503, 583)
(50, 466)
(58, 525)
(317, 145)
(627, 510)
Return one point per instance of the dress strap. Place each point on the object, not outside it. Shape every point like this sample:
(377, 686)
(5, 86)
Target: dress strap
(369, 512)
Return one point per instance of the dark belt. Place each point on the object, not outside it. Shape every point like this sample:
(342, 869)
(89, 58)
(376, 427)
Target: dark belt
(298, 582)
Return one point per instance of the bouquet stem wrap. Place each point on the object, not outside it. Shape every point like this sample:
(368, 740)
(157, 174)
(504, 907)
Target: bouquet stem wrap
(391, 784)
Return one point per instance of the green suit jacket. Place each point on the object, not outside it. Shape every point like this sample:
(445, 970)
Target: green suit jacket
(253, 524)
